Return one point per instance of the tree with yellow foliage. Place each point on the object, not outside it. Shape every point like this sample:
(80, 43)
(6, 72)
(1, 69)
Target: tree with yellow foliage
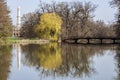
(49, 26)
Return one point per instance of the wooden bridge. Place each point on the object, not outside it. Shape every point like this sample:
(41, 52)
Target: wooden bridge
(88, 39)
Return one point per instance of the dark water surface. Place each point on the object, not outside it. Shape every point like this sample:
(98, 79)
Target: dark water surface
(59, 62)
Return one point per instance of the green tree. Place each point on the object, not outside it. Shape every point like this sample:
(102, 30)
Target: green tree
(5, 20)
(49, 26)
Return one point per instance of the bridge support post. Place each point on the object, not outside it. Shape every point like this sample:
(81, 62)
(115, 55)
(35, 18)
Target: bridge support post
(101, 41)
(113, 41)
(75, 40)
(88, 40)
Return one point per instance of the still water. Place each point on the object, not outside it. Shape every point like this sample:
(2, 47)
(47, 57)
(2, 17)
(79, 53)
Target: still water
(59, 62)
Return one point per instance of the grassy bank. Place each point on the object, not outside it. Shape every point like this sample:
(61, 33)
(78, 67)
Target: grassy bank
(23, 41)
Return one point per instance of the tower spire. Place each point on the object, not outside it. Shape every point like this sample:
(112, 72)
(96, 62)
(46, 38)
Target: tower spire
(18, 22)
(18, 17)
(16, 31)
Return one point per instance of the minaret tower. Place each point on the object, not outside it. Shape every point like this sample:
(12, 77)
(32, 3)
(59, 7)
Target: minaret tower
(18, 21)
(16, 30)
(18, 17)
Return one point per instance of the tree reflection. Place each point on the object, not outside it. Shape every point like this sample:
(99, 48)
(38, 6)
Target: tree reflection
(64, 60)
(46, 56)
(5, 61)
(49, 56)
(77, 60)
(117, 57)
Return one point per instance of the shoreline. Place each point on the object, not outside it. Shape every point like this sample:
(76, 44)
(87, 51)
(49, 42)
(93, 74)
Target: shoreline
(25, 41)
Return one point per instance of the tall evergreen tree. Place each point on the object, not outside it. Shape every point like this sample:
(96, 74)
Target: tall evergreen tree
(5, 20)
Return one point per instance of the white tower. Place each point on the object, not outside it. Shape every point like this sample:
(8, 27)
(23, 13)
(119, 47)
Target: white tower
(17, 30)
(18, 18)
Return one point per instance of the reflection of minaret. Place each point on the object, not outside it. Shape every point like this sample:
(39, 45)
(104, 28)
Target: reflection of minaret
(18, 56)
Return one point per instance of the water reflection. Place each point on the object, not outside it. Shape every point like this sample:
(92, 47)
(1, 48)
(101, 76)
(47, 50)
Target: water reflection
(17, 47)
(5, 61)
(65, 60)
(78, 60)
(54, 61)
(117, 57)
(46, 56)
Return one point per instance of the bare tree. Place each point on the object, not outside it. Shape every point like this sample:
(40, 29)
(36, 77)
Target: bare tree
(77, 20)
(116, 3)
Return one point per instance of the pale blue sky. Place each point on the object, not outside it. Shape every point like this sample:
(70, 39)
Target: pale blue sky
(103, 11)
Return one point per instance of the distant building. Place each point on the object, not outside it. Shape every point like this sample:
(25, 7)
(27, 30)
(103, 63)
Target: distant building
(16, 32)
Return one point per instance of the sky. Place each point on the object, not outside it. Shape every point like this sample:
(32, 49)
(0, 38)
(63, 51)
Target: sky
(103, 11)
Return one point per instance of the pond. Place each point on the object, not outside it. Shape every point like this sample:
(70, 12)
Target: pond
(59, 62)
